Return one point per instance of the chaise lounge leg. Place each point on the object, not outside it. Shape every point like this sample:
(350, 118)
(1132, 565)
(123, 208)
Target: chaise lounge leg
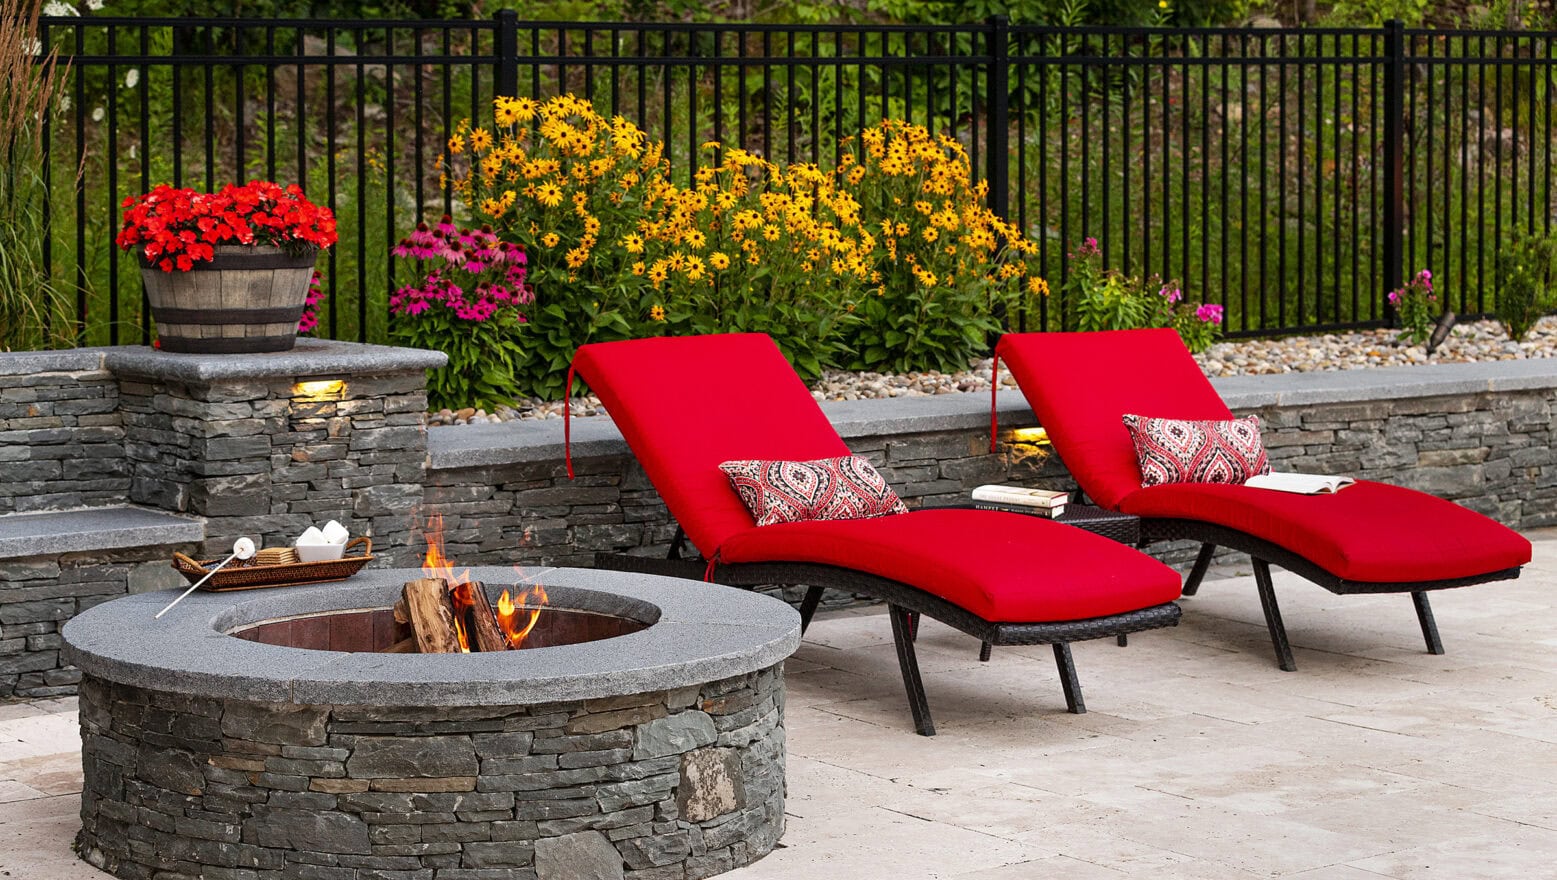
(1424, 616)
(808, 605)
(985, 649)
(1068, 679)
(1278, 631)
(1198, 572)
(910, 666)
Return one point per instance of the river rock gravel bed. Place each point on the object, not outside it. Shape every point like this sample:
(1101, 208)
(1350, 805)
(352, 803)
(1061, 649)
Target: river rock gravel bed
(1479, 341)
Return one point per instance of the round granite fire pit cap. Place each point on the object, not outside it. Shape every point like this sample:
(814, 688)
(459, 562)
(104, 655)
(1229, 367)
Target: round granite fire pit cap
(700, 632)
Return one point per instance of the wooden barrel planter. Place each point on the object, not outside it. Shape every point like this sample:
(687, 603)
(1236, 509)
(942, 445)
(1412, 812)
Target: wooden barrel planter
(247, 299)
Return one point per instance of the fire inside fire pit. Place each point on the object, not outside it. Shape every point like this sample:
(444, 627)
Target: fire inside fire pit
(378, 630)
(638, 734)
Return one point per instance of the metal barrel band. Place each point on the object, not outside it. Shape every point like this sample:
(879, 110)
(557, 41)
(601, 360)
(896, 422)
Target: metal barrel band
(276, 315)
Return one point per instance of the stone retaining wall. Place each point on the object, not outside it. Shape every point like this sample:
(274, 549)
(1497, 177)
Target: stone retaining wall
(1490, 450)
(61, 434)
(266, 458)
(669, 785)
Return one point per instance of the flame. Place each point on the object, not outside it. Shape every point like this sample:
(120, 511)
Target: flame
(509, 614)
(436, 565)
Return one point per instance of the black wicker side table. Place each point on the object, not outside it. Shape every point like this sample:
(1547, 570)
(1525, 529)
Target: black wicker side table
(1122, 527)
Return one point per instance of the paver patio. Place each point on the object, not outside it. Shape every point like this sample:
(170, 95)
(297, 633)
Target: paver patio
(1198, 758)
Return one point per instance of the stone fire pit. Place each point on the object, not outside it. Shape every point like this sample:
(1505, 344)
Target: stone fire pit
(658, 753)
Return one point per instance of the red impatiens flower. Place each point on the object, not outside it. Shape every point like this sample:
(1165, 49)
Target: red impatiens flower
(176, 228)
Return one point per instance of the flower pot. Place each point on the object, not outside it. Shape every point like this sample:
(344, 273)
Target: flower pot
(247, 299)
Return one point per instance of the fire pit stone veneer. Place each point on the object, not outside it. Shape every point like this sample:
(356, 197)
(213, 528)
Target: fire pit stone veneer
(654, 755)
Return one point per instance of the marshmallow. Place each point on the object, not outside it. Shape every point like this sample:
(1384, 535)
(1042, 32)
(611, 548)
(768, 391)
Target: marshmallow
(335, 533)
(312, 537)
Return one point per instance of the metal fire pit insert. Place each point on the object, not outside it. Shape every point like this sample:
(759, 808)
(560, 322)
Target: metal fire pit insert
(655, 754)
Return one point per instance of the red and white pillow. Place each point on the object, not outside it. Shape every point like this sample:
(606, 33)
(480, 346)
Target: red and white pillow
(1203, 451)
(799, 491)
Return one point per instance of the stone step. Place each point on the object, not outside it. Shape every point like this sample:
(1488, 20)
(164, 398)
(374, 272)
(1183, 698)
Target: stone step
(101, 528)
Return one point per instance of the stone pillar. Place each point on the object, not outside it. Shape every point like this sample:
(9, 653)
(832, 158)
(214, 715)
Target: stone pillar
(266, 444)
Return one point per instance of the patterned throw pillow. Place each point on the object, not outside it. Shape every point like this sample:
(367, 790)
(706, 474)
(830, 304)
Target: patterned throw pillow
(798, 491)
(1179, 451)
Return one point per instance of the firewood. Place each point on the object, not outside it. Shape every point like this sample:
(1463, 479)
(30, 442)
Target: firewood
(483, 620)
(432, 618)
(406, 645)
(402, 614)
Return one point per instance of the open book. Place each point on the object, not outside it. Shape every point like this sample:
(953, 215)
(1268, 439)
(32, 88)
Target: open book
(1300, 484)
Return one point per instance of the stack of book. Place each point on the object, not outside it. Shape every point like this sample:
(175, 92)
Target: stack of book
(1020, 499)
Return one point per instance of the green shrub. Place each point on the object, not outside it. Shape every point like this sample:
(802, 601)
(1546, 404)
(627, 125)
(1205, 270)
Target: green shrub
(1107, 299)
(1527, 282)
(888, 262)
(1417, 304)
(572, 188)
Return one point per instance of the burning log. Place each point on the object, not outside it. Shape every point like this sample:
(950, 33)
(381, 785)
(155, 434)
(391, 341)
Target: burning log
(449, 613)
(431, 615)
(473, 611)
(449, 619)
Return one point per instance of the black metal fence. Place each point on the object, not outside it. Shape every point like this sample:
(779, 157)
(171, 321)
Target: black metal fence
(1294, 176)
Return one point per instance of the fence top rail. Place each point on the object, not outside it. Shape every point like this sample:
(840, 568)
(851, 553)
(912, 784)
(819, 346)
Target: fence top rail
(360, 24)
(973, 28)
(492, 23)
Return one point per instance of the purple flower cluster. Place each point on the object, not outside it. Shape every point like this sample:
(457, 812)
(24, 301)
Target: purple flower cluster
(1170, 293)
(1087, 249)
(1423, 282)
(1210, 313)
(480, 274)
(316, 295)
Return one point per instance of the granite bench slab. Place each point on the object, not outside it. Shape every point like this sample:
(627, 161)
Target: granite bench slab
(102, 528)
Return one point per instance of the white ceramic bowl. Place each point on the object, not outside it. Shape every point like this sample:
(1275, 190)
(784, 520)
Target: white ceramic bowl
(319, 552)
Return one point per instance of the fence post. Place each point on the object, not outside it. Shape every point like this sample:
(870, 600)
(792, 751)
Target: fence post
(997, 132)
(506, 72)
(997, 109)
(1394, 159)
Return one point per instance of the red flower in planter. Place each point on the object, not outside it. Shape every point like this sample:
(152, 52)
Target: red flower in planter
(176, 228)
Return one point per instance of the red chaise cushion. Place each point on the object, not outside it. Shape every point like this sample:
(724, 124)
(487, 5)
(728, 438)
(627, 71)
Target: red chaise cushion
(1004, 567)
(1080, 384)
(1370, 532)
(686, 404)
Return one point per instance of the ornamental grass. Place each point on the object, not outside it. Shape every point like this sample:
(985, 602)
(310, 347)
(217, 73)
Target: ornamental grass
(33, 310)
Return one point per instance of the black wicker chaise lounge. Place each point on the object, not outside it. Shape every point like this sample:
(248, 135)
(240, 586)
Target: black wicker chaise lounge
(686, 405)
(1367, 538)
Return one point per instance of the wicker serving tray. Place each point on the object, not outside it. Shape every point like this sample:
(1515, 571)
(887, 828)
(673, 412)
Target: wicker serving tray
(246, 575)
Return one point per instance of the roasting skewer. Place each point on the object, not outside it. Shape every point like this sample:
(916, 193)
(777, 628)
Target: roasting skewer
(243, 548)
